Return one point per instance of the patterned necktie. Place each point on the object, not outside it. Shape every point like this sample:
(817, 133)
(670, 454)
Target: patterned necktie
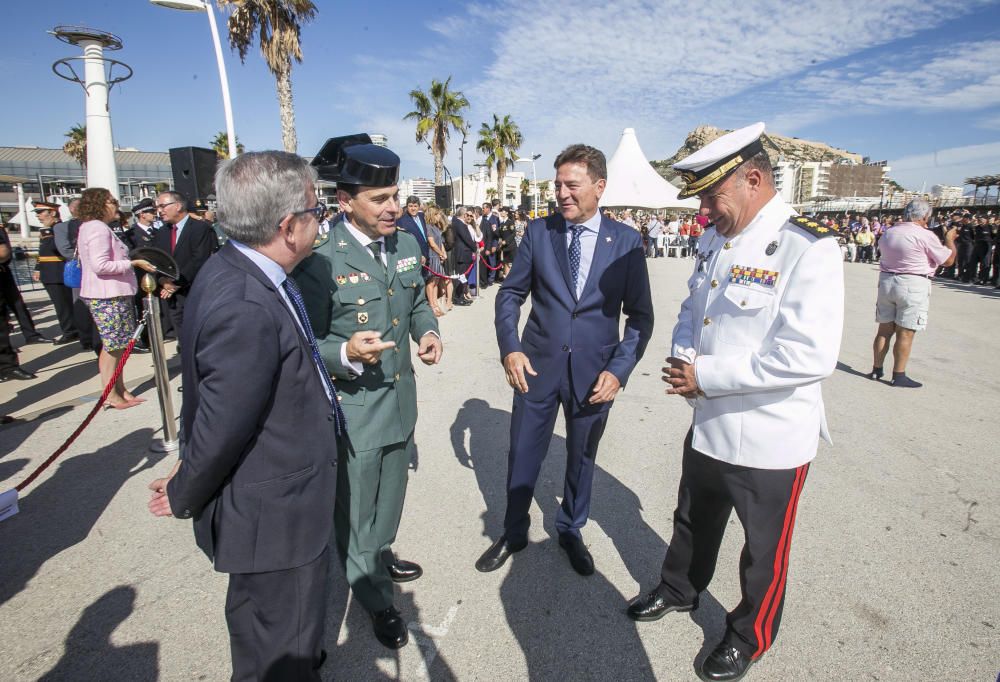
(376, 249)
(295, 296)
(574, 256)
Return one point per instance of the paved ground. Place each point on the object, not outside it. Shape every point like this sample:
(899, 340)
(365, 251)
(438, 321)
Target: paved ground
(894, 572)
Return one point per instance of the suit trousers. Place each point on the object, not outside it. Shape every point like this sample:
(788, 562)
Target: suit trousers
(765, 501)
(531, 425)
(173, 310)
(8, 356)
(62, 300)
(276, 622)
(371, 487)
(84, 323)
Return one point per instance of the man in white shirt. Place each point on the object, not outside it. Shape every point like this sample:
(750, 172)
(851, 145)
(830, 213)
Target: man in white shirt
(758, 332)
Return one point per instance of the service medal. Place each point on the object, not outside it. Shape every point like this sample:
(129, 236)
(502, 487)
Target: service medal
(362, 318)
(353, 278)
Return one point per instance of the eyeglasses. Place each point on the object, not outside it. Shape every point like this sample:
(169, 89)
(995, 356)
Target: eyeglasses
(166, 204)
(319, 210)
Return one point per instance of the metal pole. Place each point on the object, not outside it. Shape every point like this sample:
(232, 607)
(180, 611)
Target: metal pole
(22, 205)
(169, 442)
(102, 170)
(534, 179)
(227, 105)
(479, 256)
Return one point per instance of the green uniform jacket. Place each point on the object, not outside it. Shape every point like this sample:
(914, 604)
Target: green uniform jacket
(346, 291)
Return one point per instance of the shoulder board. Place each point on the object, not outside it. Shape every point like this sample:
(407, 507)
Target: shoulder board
(813, 227)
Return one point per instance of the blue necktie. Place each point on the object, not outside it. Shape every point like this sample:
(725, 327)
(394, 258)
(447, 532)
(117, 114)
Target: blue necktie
(574, 256)
(295, 296)
(420, 226)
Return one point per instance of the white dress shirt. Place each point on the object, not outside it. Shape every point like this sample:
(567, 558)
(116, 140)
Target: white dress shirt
(588, 243)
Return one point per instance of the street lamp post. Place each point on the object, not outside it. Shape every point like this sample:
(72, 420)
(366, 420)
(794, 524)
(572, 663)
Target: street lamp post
(199, 6)
(462, 159)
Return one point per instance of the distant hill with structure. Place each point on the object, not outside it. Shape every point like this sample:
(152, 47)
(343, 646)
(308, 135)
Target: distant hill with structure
(792, 148)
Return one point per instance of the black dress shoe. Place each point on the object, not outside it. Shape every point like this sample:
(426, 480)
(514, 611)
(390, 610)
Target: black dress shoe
(404, 571)
(725, 664)
(38, 338)
(579, 557)
(654, 606)
(141, 350)
(66, 338)
(497, 555)
(16, 373)
(390, 629)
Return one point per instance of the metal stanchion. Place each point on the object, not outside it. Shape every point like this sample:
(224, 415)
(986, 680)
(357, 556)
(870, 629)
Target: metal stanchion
(479, 264)
(151, 307)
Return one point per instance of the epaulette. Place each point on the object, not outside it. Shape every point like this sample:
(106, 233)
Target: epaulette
(320, 240)
(813, 227)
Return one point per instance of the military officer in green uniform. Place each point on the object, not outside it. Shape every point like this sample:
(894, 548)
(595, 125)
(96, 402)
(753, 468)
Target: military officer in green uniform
(364, 292)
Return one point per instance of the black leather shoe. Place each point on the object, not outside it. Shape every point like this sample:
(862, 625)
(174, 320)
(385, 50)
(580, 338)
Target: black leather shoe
(497, 555)
(579, 557)
(725, 664)
(390, 629)
(141, 350)
(66, 338)
(654, 606)
(16, 373)
(38, 338)
(404, 571)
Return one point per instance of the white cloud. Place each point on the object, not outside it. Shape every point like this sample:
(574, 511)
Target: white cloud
(588, 70)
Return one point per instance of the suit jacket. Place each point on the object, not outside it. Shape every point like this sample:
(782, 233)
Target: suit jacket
(410, 225)
(196, 243)
(559, 324)
(346, 291)
(258, 472)
(465, 245)
(491, 231)
(138, 237)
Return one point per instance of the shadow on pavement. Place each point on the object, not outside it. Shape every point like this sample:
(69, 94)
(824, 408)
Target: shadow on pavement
(47, 385)
(90, 653)
(14, 435)
(847, 369)
(986, 291)
(568, 626)
(60, 512)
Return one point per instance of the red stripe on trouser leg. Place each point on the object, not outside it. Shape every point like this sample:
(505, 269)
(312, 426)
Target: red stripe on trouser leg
(776, 573)
(780, 594)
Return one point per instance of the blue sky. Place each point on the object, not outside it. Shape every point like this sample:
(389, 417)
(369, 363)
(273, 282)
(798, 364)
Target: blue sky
(914, 82)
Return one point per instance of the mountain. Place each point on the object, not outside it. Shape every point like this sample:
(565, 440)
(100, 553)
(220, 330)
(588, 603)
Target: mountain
(791, 148)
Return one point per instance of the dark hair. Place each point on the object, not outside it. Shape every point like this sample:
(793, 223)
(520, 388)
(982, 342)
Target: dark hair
(760, 162)
(597, 165)
(349, 188)
(93, 203)
(412, 199)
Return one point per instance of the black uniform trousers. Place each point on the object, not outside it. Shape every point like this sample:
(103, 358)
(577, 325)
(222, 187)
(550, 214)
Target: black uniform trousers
(964, 260)
(981, 260)
(8, 356)
(765, 501)
(62, 300)
(276, 622)
(13, 302)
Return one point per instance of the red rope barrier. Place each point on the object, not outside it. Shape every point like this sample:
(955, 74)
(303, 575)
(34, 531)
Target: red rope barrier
(438, 274)
(90, 417)
(488, 265)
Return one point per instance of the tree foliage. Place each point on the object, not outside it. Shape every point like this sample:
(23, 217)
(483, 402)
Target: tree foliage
(437, 112)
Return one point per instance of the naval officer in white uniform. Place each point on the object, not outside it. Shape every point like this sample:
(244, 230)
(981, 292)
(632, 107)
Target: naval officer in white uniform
(759, 331)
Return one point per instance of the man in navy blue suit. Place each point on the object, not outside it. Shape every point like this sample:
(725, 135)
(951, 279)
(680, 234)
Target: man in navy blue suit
(582, 271)
(412, 221)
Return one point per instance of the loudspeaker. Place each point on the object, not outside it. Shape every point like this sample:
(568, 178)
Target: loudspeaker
(194, 171)
(443, 196)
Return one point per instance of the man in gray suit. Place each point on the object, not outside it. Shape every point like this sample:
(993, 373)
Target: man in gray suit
(257, 472)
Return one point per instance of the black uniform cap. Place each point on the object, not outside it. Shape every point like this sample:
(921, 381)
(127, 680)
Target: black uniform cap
(354, 160)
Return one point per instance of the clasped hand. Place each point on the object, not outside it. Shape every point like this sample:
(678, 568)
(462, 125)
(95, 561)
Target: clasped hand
(681, 377)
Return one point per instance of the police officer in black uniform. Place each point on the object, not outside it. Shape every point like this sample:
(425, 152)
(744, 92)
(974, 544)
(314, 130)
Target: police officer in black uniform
(12, 301)
(9, 366)
(982, 245)
(49, 271)
(966, 245)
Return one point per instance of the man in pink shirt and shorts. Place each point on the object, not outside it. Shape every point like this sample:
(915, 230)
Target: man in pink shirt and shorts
(911, 253)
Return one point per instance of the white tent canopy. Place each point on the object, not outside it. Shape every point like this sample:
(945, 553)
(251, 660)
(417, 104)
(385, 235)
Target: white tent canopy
(33, 221)
(634, 183)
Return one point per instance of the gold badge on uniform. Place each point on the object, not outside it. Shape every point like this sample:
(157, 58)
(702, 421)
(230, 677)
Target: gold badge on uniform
(341, 280)
(362, 318)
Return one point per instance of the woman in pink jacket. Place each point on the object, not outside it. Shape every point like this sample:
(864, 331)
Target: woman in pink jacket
(108, 287)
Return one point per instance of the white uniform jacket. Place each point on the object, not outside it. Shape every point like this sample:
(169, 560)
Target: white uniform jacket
(762, 324)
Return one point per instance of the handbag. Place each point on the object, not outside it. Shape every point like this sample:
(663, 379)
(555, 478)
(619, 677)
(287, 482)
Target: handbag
(73, 272)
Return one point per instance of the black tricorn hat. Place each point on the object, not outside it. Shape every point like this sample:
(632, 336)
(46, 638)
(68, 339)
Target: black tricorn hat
(161, 260)
(354, 160)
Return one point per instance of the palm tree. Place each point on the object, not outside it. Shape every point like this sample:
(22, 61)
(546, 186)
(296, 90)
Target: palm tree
(220, 143)
(76, 144)
(499, 143)
(278, 23)
(525, 187)
(437, 112)
(543, 190)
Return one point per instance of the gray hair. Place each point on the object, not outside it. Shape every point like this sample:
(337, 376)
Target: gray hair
(257, 190)
(917, 209)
